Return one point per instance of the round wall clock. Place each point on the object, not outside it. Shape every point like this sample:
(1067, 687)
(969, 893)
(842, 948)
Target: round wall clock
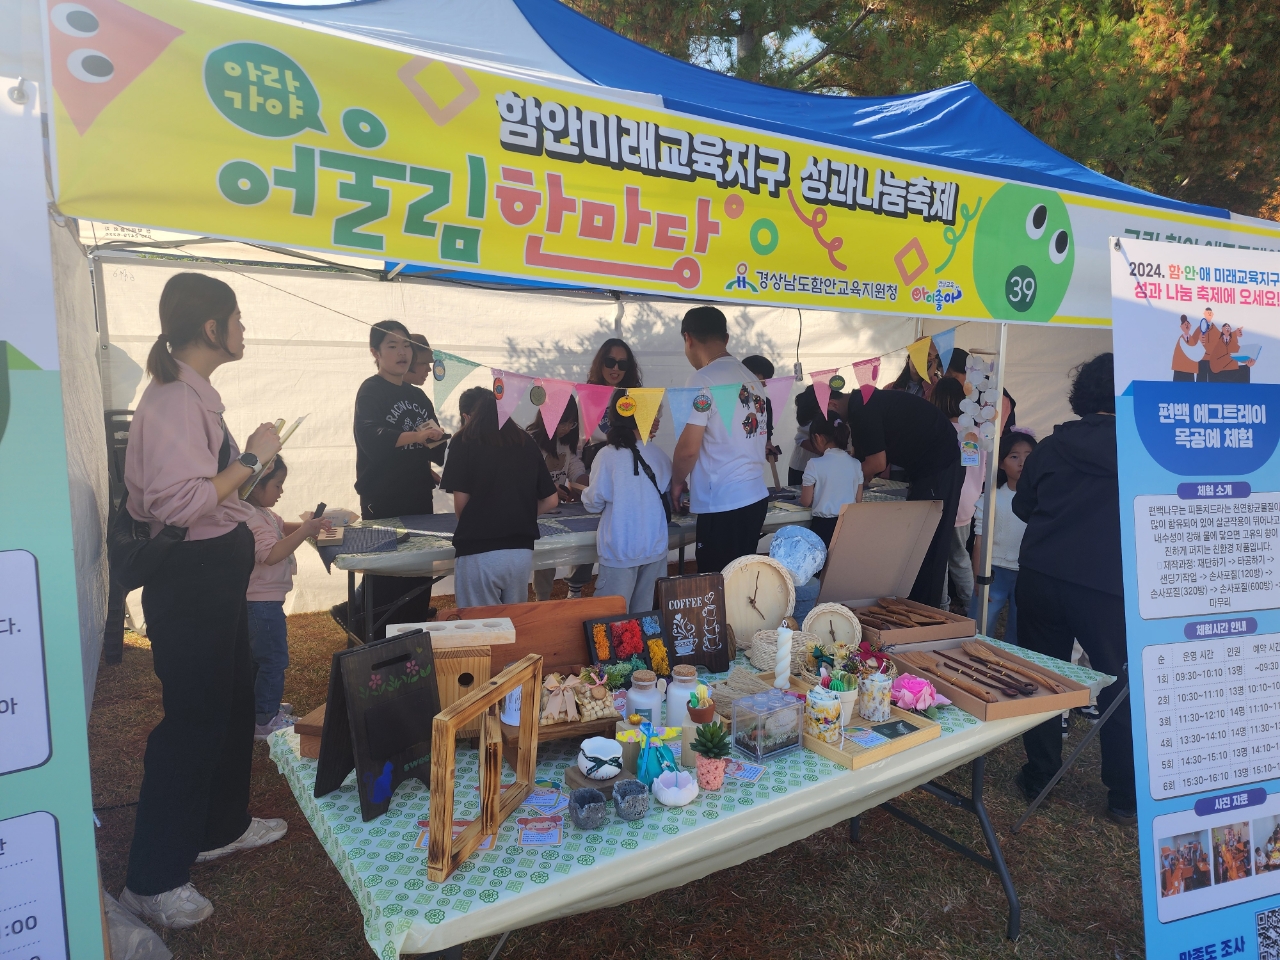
(834, 623)
(758, 594)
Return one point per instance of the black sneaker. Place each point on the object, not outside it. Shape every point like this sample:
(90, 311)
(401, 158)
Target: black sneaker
(1125, 816)
(1024, 787)
(339, 613)
(1090, 713)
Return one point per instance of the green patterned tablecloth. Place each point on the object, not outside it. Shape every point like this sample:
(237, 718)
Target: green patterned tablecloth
(512, 885)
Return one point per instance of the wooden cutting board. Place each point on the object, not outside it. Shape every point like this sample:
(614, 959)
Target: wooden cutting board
(552, 628)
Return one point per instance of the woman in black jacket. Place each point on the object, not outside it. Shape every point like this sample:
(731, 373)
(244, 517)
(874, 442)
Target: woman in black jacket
(1070, 583)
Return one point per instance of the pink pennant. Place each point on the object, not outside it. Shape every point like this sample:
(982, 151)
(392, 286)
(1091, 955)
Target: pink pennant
(558, 394)
(779, 390)
(509, 389)
(592, 400)
(867, 371)
(867, 389)
(822, 387)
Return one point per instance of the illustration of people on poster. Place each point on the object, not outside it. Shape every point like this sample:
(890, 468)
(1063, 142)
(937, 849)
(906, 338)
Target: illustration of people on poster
(1200, 521)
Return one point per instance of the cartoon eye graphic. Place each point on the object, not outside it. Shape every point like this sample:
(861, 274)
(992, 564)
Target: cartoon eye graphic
(90, 66)
(74, 20)
(1059, 243)
(1036, 220)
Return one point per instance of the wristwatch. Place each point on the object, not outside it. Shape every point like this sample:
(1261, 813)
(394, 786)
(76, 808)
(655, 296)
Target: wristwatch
(251, 461)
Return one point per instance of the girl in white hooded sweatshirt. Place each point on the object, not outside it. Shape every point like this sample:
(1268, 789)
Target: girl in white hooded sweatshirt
(628, 481)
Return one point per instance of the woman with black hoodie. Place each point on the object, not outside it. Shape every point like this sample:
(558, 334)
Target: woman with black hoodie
(1070, 583)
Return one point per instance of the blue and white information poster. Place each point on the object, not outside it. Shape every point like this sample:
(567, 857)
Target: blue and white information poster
(1197, 364)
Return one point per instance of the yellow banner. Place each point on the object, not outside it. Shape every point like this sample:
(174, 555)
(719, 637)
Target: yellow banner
(166, 116)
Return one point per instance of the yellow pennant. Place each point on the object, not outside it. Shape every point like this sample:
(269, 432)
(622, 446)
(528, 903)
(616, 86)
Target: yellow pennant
(919, 354)
(648, 402)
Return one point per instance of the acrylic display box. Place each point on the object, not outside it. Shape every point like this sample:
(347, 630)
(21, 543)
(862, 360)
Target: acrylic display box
(767, 724)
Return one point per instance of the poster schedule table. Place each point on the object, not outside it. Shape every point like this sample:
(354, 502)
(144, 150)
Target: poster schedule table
(1213, 713)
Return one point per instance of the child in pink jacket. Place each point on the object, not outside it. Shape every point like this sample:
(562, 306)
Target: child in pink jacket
(274, 544)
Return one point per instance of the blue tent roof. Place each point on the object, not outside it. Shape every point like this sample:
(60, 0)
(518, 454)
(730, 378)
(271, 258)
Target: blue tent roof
(956, 126)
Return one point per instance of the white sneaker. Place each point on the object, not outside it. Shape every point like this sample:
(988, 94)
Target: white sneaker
(286, 708)
(259, 834)
(263, 731)
(177, 909)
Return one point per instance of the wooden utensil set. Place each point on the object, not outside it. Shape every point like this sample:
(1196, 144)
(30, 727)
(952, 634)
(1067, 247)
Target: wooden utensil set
(980, 671)
(889, 614)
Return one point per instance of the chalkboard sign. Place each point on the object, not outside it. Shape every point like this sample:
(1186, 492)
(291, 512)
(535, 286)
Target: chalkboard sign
(383, 699)
(693, 620)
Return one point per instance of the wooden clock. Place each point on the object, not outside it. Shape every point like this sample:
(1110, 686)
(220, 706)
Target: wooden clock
(834, 623)
(758, 594)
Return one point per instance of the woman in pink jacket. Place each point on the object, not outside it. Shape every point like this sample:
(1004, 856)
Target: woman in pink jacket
(183, 469)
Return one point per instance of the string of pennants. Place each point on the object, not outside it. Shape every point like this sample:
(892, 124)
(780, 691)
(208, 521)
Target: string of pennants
(551, 395)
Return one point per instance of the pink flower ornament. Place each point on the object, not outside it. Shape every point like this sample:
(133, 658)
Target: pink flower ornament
(375, 681)
(915, 693)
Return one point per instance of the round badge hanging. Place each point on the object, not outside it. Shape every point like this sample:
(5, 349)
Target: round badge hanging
(538, 395)
(625, 406)
(702, 403)
(499, 388)
(437, 371)
(837, 382)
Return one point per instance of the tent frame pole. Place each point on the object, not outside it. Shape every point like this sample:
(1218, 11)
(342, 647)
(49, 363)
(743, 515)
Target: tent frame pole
(983, 580)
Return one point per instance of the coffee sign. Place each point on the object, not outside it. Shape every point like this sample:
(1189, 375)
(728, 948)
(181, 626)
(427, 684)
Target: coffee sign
(693, 620)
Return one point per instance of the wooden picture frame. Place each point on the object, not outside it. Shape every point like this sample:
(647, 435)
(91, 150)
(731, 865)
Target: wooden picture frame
(445, 851)
(693, 620)
(378, 719)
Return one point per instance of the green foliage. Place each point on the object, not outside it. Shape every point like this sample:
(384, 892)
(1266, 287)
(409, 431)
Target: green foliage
(1181, 97)
(712, 740)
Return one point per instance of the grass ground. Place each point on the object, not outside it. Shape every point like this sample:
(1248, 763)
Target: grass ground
(896, 894)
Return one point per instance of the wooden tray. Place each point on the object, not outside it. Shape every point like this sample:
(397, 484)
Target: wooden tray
(1077, 694)
(854, 755)
(603, 727)
(955, 627)
(552, 628)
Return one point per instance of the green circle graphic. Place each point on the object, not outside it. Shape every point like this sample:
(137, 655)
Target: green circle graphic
(261, 90)
(363, 128)
(243, 182)
(1023, 253)
(764, 225)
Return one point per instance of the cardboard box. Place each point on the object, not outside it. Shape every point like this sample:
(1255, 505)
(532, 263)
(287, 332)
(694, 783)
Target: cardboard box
(876, 551)
(1077, 694)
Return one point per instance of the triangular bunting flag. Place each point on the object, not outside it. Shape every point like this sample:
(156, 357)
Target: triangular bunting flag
(822, 387)
(509, 389)
(453, 370)
(648, 402)
(867, 371)
(680, 403)
(946, 343)
(558, 394)
(919, 354)
(867, 389)
(592, 399)
(779, 390)
(725, 397)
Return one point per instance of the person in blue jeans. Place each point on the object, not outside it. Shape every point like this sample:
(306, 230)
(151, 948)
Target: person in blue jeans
(1015, 447)
(274, 566)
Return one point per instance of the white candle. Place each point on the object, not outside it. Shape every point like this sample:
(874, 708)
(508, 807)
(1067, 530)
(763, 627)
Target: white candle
(782, 663)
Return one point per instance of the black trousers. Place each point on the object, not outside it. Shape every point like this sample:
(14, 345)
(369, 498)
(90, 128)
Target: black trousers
(1051, 614)
(387, 590)
(1180, 377)
(729, 535)
(195, 780)
(945, 486)
(825, 527)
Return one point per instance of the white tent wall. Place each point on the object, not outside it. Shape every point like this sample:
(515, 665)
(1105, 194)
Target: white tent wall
(1038, 372)
(78, 349)
(307, 352)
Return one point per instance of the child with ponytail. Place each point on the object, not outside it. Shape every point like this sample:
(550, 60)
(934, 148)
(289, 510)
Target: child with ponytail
(832, 478)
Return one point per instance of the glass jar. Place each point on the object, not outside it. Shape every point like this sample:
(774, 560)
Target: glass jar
(684, 681)
(643, 697)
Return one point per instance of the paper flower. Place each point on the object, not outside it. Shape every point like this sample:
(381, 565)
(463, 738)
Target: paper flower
(915, 693)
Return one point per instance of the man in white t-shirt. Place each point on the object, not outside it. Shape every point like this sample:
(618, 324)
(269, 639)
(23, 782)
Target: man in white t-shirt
(723, 466)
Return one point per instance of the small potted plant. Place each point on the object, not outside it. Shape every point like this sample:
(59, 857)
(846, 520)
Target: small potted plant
(712, 747)
(701, 707)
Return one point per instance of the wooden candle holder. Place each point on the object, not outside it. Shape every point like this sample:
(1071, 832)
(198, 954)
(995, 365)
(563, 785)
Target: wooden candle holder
(444, 852)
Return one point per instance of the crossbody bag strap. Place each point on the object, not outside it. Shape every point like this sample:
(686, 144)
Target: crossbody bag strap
(648, 472)
(224, 453)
